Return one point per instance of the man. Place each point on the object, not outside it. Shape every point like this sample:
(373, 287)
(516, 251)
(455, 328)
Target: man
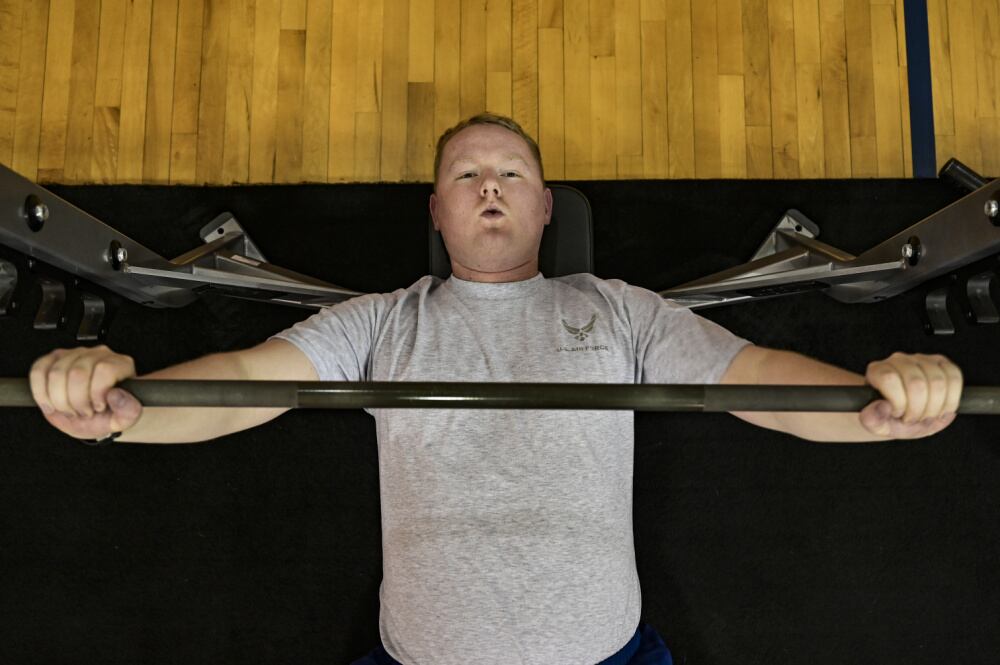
(507, 535)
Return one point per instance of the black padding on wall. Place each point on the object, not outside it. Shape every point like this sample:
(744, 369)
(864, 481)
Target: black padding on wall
(264, 547)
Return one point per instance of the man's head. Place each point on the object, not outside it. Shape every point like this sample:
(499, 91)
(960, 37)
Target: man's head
(490, 201)
(486, 119)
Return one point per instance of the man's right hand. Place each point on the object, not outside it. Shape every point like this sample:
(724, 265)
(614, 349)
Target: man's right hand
(75, 389)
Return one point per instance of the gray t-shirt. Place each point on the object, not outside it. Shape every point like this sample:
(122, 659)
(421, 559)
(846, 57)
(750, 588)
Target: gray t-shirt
(508, 534)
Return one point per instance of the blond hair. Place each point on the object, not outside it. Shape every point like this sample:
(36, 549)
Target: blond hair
(487, 119)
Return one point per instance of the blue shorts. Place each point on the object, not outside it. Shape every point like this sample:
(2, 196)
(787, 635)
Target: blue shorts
(645, 648)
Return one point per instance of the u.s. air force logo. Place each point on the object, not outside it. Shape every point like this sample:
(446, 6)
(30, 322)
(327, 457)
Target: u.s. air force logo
(581, 332)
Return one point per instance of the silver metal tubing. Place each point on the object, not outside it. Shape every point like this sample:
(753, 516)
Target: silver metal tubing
(643, 397)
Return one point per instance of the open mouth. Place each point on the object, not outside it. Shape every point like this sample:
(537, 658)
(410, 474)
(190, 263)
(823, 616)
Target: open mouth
(491, 213)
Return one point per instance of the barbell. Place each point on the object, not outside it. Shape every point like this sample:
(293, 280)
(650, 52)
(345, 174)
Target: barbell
(15, 392)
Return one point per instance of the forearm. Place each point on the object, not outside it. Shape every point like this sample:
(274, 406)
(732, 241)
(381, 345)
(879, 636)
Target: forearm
(773, 367)
(191, 424)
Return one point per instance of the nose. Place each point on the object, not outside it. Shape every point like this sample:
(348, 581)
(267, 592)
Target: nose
(491, 186)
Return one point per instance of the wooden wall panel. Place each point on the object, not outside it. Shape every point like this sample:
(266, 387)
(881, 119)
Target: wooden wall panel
(550, 102)
(808, 89)
(368, 91)
(965, 69)
(10, 58)
(291, 75)
(340, 160)
(447, 70)
(835, 93)
(784, 105)
(528, 61)
(261, 91)
(395, 93)
(680, 90)
(420, 137)
(239, 92)
(655, 134)
(160, 95)
(757, 89)
(55, 90)
(576, 64)
(498, 56)
(187, 92)
(316, 93)
(628, 83)
(83, 79)
(705, 74)
(132, 116)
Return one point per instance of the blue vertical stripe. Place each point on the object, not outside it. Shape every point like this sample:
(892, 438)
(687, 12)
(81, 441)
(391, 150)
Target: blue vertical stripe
(918, 60)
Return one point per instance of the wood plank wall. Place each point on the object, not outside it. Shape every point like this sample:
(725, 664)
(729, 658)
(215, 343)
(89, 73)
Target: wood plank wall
(260, 91)
(965, 77)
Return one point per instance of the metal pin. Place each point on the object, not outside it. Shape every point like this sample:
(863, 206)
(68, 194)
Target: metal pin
(992, 208)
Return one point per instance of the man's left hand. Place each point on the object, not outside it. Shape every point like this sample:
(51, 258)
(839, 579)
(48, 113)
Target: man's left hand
(920, 395)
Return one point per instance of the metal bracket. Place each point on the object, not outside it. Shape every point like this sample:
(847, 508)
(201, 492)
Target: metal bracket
(793, 222)
(92, 320)
(241, 243)
(8, 285)
(50, 311)
(939, 320)
(231, 263)
(982, 309)
(790, 260)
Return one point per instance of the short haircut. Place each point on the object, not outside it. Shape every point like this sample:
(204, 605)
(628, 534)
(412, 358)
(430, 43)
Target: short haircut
(487, 119)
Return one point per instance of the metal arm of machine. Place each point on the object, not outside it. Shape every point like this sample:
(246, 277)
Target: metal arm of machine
(791, 260)
(42, 226)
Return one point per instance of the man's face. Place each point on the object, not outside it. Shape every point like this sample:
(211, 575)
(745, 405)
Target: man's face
(490, 204)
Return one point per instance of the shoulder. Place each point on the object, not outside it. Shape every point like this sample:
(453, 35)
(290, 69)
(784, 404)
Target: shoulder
(615, 291)
(389, 299)
(584, 282)
(368, 311)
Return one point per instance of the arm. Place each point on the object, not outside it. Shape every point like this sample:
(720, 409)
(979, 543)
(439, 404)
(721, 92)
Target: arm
(75, 390)
(921, 395)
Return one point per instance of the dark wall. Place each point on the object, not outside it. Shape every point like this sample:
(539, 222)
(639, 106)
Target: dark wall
(264, 546)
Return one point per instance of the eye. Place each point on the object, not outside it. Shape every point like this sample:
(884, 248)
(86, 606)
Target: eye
(467, 174)
(510, 174)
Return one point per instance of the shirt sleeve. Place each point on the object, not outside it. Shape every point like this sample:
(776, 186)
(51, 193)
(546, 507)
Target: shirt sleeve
(675, 345)
(338, 339)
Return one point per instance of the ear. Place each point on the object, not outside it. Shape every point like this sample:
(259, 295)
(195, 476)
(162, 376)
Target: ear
(433, 208)
(548, 205)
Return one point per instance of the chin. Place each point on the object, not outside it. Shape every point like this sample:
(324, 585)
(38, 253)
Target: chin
(489, 224)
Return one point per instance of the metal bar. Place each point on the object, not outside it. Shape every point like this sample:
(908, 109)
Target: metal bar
(39, 224)
(962, 175)
(577, 396)
(72, 240)
(964, 232)
(953, 237)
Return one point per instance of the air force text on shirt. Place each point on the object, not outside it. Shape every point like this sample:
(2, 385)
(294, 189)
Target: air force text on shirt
(588, 347)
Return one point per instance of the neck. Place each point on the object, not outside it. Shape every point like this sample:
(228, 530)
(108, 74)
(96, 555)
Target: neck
(516, 274)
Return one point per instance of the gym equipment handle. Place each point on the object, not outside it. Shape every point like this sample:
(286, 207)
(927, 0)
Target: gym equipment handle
(458, 395)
